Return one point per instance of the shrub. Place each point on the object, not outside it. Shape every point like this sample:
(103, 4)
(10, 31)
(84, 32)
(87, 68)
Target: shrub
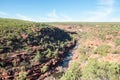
(2, 63)
(24, 63)
(4, 56)
(49, 53)
(116, 51)
(96, 70)
(55, 54)
(117, 42)
(73, 73)
(44, 69)
(22, 76)
(102, 50)
(84, 57)
(38, 57)
(82, 50)
(102, 36)
(23, 68)
(14, 64)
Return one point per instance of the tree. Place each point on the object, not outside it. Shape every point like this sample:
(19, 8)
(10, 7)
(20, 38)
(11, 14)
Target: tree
(44, 69)
(37, 57)
(22, 75)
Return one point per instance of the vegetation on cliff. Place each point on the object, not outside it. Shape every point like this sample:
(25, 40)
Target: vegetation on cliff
(29, 49)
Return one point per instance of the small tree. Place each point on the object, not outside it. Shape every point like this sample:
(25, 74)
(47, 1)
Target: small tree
(22, 76)
(117, 42)
(44, 69)
(37, 57)
(2, 63)
(102, 50)
(48, 53)
(55, 54)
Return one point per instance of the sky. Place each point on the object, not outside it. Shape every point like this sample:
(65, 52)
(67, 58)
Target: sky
(61, 10)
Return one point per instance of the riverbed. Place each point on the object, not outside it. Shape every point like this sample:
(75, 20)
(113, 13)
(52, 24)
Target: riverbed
(63, 66)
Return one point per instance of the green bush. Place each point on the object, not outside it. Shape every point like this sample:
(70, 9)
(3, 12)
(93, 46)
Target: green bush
(116, 51)
(14, 64)
(22, 76)
(117, 42)
(83, 53)
(82, 50)
(24, 63)
(102, 50)
(49, 53)
(84, 57)
(73, 73)
(55, 54)
(44, 69)
(23, 68)
(37, 57)
(2, 63)
(96, 70)
(102, 35)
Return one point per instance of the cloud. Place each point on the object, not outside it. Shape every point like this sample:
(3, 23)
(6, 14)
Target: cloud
(20, 16)
(103, 12)
(53, 16)
(115, 19)
(104, 9)
(101, 15)
(3, 13)
(106, 2)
